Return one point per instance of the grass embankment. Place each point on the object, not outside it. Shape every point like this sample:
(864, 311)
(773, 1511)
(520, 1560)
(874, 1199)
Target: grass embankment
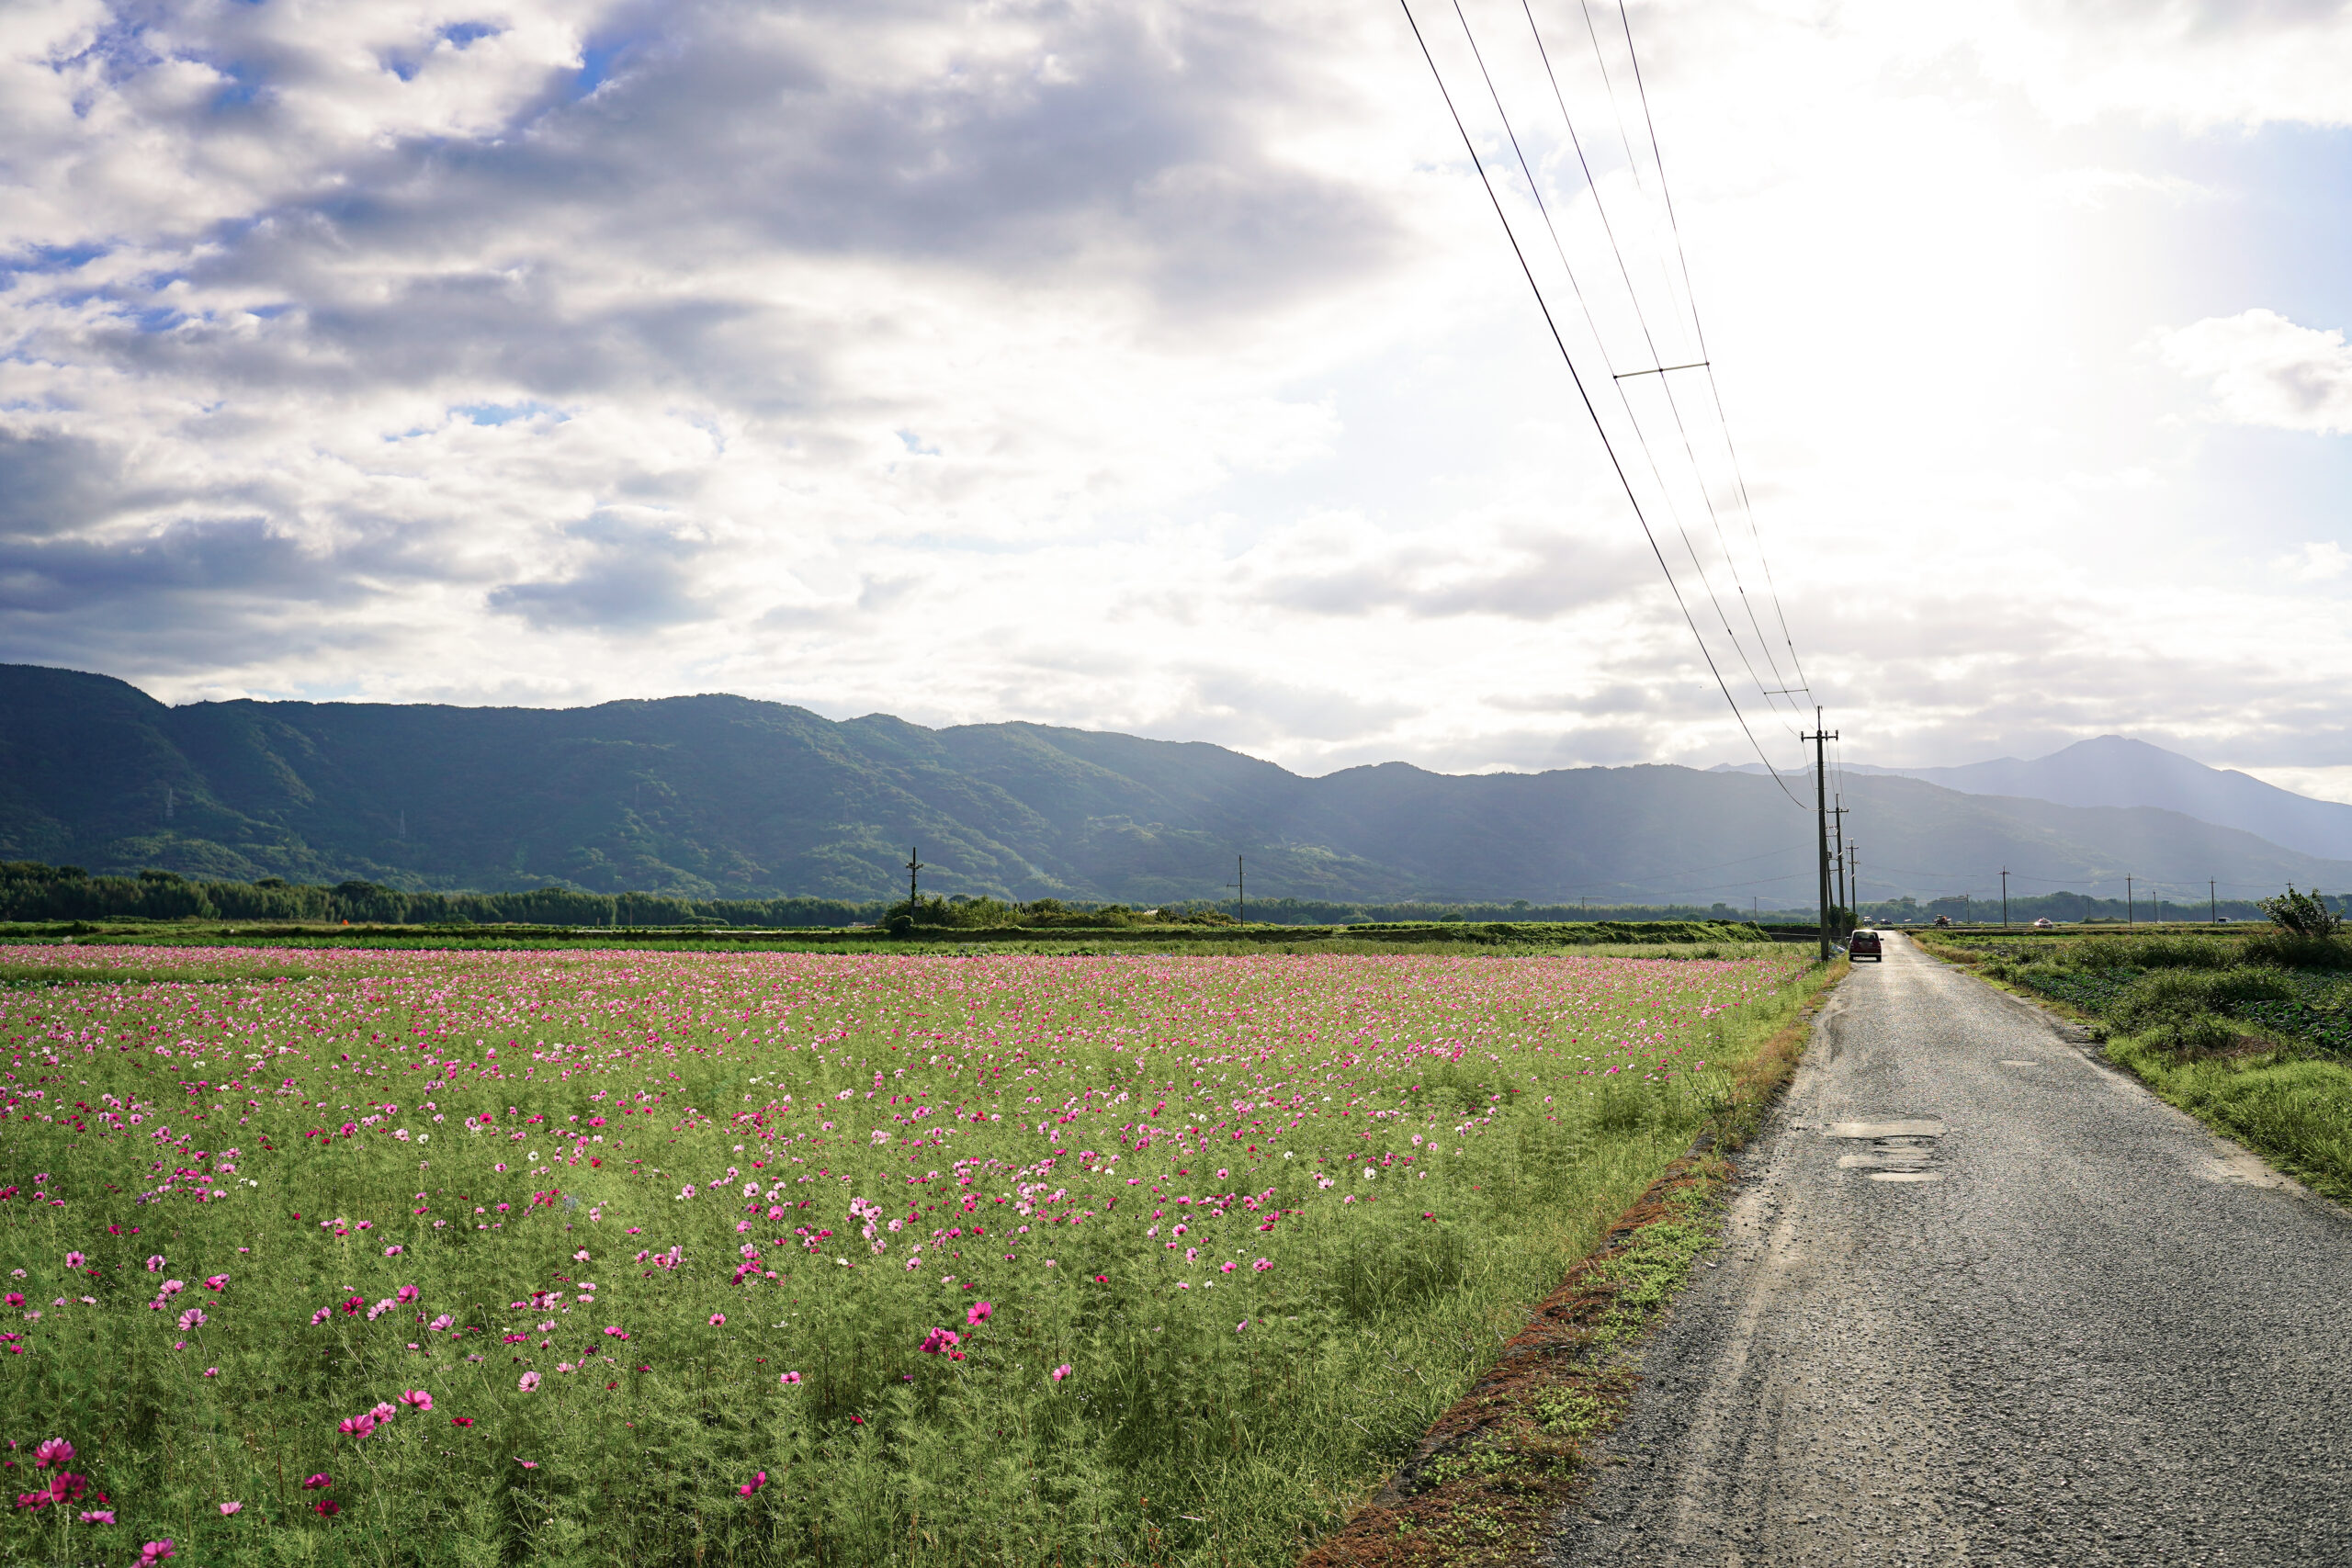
(1486, 1486)
(676, 1244)
(2251, 1032)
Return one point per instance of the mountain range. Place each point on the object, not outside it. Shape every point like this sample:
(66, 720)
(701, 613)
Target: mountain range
(722, 796)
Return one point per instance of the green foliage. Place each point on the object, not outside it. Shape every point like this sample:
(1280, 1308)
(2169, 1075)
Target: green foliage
(2303, 914)
(2292, 952)
(2173, 995)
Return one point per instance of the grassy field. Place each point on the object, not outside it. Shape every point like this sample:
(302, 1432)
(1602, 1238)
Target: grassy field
(350, 1257)
(2249, 1029)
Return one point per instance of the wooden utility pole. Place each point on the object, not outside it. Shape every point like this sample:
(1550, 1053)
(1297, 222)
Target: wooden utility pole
(1854, 876)
(1240, 885)
(1838, 826)
(2128, 906)
(2004, 896)
(1821, 824)
(2213, 903)
(914, 865)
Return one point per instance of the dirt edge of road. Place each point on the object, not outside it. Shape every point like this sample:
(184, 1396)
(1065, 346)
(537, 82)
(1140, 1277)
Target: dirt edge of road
(1484, 1487)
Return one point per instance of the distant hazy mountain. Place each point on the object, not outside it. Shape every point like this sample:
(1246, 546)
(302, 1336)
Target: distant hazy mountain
(2112, 770)
(719, 796)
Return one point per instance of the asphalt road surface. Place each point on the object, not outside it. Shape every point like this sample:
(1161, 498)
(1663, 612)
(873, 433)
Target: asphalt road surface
(1982, 1300)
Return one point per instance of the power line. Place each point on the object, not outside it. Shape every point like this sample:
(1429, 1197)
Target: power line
(1585, 397)
(1649, 340)
(1641, 436)
(1699, 335)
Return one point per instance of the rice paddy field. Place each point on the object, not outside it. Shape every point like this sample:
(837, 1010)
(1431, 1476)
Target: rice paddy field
(640, 1257)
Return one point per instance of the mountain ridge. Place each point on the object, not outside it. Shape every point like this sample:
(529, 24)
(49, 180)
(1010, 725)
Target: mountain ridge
(717, 795)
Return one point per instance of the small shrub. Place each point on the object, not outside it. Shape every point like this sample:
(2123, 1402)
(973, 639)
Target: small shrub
(2200, 1034)
(2303, 914)
(2157, 952)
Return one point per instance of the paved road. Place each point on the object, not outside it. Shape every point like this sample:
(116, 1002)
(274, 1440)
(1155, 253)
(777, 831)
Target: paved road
(1984, 1300)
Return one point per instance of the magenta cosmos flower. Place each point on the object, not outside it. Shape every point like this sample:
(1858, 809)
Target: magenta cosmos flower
(527, 1381)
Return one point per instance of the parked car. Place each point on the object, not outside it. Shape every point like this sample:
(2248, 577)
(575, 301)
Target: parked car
(2045, 923)
(1864, 944)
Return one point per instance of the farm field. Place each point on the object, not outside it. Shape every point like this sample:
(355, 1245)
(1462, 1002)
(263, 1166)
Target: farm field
(348, 1256)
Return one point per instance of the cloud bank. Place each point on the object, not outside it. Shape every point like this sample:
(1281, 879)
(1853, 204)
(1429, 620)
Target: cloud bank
(1156, 366)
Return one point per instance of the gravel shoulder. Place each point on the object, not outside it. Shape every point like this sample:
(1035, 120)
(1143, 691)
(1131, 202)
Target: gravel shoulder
(1984, 1300)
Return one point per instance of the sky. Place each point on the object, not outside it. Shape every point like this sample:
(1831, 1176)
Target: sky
(1164, 367)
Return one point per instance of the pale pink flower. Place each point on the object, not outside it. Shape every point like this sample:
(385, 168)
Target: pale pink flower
(212, 1372)
(416, 1399)
(355, 1426)
(156, 1264)
(191, 1319)
(405, 1294)
(1062, 1372)
(789, 1379)
(98, 1516)
(716, 1318)
(528, 1382)
(228, 1509)
(74, 1261)
(56, 1451)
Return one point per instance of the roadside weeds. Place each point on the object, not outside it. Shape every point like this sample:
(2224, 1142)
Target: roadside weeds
(1486, 1486)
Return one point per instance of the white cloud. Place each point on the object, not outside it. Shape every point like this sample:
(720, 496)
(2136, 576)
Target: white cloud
(2266, 371)
(1152, 365)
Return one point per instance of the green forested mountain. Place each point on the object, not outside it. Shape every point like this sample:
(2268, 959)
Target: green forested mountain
(720, 796)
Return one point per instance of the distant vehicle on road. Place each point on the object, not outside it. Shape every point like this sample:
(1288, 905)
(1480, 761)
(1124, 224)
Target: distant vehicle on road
(1943, 919)
(2045, 923)
(1864, 944)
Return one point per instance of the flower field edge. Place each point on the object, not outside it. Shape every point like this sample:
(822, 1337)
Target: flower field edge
(1418, 1145)
(1486, 1486)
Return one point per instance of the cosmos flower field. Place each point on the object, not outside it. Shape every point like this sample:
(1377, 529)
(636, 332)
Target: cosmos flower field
(502, 1258)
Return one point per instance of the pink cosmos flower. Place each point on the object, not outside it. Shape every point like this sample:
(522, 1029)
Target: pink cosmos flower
(216, 1281)
(716, 1318)
(74, 1261)
(156, 1264)
(191, 1318)
(405, 1294)
(939, 1339)
(758, 1479)
(98, 1516)
(57, 1451)
(14, 1298)
(1062, 1372)
(978, 1316)
(355, 1426)
(527, 1382)
(212, 1372)
(155, 1551)
(383, 1412)
(228, 1509)
(1242, 1325)
(1227, 1267)
(316, 1483)
(416, 1399)
(438, 1323)
(320, 1316)
(1262, 1264)
(172, 1287)
(789, 1379)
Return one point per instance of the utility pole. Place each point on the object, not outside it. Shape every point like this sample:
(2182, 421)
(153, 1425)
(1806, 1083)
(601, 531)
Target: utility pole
(2005, 898)
(1838, 826)
(914, 865)
(1854, 877)
(1821, 824)
(2213, 903)
(1240, 885)
(2128, 906)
